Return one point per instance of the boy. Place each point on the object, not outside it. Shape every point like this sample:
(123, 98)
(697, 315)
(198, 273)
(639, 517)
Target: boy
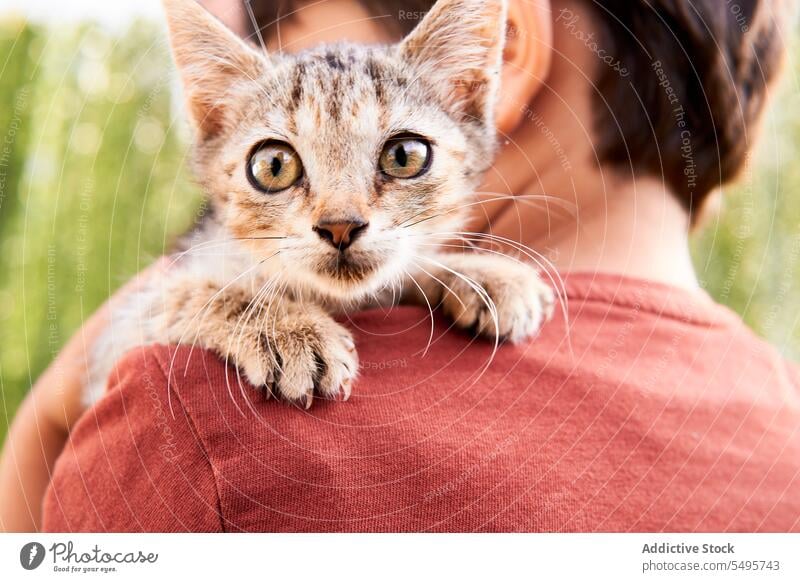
(654, 410)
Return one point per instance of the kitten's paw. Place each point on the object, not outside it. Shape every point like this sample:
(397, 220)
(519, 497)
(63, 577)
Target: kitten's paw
(302, 353)
(503, 299)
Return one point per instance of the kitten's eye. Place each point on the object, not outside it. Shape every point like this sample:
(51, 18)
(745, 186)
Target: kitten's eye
(274, 166)
(405, 157)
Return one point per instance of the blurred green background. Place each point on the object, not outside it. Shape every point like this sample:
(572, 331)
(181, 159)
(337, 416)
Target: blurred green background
(93, 186)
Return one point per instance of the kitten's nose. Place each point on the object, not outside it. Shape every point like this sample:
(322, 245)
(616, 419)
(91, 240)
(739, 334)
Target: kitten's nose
(341, 234)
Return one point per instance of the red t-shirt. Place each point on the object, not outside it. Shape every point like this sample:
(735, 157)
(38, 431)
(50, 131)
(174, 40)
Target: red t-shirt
(661, 413)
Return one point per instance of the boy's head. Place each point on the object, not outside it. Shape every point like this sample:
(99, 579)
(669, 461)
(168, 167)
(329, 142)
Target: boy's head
(677, 85)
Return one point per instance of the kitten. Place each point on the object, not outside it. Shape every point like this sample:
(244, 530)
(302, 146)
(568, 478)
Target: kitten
(334, 178)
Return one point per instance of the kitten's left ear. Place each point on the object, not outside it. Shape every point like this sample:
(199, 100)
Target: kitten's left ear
(211, 60)
(458, 49)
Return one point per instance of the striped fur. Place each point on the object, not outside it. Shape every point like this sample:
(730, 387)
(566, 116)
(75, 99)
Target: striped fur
(255, 281)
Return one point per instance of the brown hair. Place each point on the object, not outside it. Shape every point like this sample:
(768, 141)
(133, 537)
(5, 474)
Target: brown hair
(687, 89)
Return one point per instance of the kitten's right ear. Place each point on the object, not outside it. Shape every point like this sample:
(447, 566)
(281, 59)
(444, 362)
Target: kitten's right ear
(210, 59)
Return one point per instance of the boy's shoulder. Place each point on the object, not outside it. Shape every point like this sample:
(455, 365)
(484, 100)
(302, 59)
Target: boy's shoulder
(656, 410)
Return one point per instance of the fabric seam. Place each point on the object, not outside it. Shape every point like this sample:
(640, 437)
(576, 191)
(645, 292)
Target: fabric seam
(201, 442)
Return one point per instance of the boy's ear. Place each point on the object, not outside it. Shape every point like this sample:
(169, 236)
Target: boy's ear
(210, 59)
(527, 56)
(458, 49)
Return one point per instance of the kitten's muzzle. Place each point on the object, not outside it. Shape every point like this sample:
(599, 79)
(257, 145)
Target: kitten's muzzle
(341, 233)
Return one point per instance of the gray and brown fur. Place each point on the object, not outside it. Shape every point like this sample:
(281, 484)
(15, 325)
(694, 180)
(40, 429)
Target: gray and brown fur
(257, 285)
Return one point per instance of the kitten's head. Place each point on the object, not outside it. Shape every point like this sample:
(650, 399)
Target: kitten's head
(348, 161)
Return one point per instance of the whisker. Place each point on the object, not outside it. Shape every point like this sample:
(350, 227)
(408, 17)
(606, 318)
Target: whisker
(498, 196)
(205, 245)
(241, 323)
(276, 292)
(482, 293)
(203, 310)
(260, 238)
(443, 284)
(254, 23)
(544, 264)
(430, 310)
(485, 298)
(527, 199)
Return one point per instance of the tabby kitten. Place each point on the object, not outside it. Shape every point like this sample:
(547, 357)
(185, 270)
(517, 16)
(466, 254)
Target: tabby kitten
(334, 177)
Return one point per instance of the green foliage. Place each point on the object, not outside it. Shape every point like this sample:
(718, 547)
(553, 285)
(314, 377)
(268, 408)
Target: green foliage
(748, 257)
(94, 183)
(93, 187)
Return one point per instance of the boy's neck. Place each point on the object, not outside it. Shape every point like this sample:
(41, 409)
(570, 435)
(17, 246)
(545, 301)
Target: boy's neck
(641, 231)
(599, 222)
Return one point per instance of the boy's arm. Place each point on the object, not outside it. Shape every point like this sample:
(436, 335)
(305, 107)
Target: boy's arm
(40, 429)
(134, 462)
(43, 421)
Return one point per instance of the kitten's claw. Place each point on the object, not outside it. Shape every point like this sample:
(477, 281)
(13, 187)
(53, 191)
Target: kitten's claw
(257, 373)
(301, 354)
(347, 388)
